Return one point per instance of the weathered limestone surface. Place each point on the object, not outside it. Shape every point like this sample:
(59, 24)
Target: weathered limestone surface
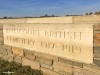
(97, 45)
(17, 51)
(64, 40)
(29, 54)
(50, 20)
(63, 68)
(51, 32)
(18, 59)
(46, 56)
(49, 72)
(90, 19)
(97, 39)
(5, 50)
(33, 64)
(97, 61)
(45, 61)
(92, 68)
(97, 49)
(22, 20)
(79, 71)
(1, 35)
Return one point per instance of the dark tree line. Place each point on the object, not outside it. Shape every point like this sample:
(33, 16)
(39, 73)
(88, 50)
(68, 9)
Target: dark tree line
(46, 15)
(91, 13)
(97, 13)
(52, 15)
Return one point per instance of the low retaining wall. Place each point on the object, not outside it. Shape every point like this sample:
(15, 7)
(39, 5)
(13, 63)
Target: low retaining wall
(52, 64)
(90, 19)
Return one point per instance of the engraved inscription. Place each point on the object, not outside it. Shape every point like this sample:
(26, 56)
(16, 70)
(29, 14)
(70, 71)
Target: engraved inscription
(45, 44)
(73, 42)
(20, 40)
(46, 33)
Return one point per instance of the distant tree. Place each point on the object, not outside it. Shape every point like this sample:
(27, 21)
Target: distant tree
(99, 12)
(45, 15)
(87, 14)
(96, 13)
(90, 13)
(10, 17)
(67, 15)
(53, 15)
(5, 17)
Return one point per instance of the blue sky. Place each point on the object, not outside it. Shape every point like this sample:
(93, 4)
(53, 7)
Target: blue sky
(20, 8)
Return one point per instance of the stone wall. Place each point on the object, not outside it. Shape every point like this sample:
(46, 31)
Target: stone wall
(22, 20)
(90, 19)
(50, 20)
(97, 45)
(5, 51)
(65, 40)
(51, 64)
(39, 20)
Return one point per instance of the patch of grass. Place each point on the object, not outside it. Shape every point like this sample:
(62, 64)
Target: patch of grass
(17, 69)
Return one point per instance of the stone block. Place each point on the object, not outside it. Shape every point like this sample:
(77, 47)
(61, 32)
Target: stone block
(97, 31)
(78, 64)
(18, 59)
(90, 19)
(7, 47)
(33, 64)
(66, 61)
(8, 58)
(77, 71)
(29, 54)
(80, 71)
(44, 61)
(9, 52)
(97, 39)
(97, 49)
(92, 68)
(96, 27)
(46, 56)
(31, 57)
(17, 51)
(50, 20)
(3, 51)
(97, 62)
(46, 66)
(63, 68)
(85, 72)
(49, 72)
(97, 55)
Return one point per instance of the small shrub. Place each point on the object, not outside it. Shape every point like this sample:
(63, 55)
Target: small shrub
(18, 69)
